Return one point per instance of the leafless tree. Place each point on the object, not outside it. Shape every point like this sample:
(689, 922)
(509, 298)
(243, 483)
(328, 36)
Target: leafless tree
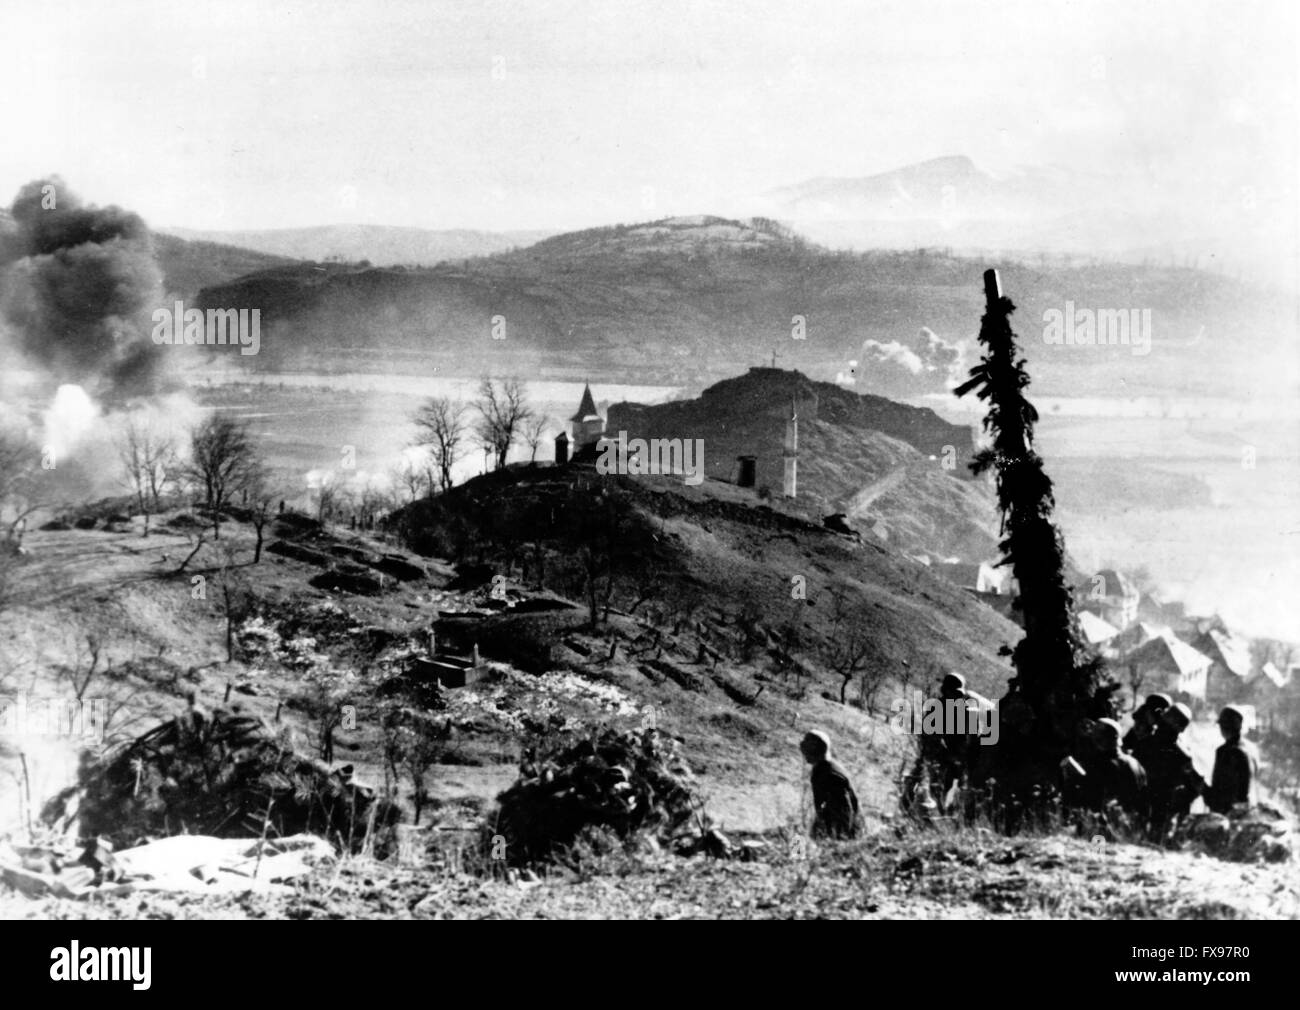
(19, 482)
(442, 429)
(332, 497)
(847, 650)
(503, 412)
(1136, 679)
(146, 456)
(410, 480)
(222, 458)
(263, 489)
(533, 431)
(375, 499)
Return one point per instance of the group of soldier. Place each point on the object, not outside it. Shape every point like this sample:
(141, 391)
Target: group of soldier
(1146, 778)
(1148, 775)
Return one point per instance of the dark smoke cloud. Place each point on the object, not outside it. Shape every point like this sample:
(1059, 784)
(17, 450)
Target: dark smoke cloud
(78, 287)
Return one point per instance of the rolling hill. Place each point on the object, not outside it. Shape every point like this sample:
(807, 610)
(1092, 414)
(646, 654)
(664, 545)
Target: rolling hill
(687, 300)
(879, 462)
(379, 244)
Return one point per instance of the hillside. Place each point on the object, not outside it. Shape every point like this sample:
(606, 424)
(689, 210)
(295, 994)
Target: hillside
(738, 721)
(382, 245)
(687, 300)
(188, 266)
(881, 463)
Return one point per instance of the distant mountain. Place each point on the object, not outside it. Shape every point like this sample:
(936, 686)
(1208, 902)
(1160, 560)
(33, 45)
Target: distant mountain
(879, 462)
(380, 245)
(686, 301)
(950, 203)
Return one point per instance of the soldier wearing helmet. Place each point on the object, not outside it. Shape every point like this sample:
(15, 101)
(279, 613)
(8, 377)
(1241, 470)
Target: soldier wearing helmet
(1172, 780)
(1236, 765)
(1145, 720)
(835, 804)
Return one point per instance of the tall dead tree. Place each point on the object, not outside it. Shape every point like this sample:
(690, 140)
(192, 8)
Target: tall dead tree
(1059, 682)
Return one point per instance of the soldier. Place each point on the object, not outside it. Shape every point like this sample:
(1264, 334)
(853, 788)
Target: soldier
(1116, 777)
(966, 716)
(835, 804)
(1145, 721)
(1235, 765)
(1172, 780)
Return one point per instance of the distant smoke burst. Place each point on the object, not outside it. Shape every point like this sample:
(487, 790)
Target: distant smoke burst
(926, 364)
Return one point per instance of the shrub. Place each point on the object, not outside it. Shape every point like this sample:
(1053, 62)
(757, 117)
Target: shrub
(627, 783)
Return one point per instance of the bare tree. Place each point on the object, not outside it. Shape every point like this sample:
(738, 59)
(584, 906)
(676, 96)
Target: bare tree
(503, 412)
(533, 435)
(1136, 679)
(375, 499)
(19, 482)
(410, 480)
(146, 456)
(847, 650)
(333, 497)
(263, 489)
(222, 458)
(442, 429)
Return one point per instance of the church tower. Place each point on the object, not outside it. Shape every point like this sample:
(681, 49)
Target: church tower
(588, 428)
(790, 452)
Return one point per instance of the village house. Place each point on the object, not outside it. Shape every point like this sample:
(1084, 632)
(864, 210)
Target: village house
(1230, 666)
(1111, 595)
(1098, 632)
(1167, 663)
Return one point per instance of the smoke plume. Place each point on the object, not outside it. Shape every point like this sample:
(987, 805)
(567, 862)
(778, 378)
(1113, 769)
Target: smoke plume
(79, 284)
(926, 364)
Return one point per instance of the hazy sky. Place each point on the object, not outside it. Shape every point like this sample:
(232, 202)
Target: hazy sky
(259, 113)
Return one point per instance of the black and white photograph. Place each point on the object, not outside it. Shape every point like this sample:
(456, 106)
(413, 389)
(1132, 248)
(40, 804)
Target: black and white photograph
(650, 459)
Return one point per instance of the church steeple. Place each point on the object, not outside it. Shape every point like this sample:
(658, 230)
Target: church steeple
(588, 427)
(587, 408)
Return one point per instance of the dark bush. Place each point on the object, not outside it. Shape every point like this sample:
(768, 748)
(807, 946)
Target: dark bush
(626, 783)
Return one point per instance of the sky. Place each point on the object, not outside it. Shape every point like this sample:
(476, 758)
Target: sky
(507, 115)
